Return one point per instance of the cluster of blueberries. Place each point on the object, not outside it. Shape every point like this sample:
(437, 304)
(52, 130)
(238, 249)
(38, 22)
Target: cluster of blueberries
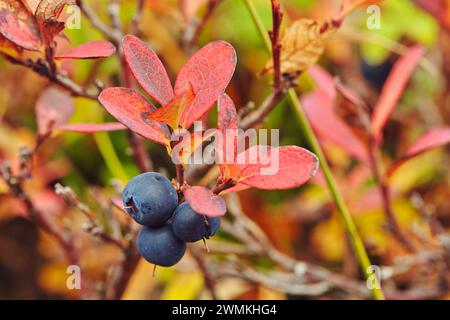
(152, 201)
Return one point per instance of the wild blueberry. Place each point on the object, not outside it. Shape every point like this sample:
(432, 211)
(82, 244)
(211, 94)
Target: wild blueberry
(189, 226)
(376, 74)
(160, 246)
(150, 199)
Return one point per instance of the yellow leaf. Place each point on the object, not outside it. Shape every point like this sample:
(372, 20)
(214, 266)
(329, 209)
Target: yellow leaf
(183, 286)
(142, 282)
(302, 44)
(328, 239)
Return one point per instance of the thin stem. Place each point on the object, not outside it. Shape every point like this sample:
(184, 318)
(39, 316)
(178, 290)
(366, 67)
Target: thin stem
(355, 239)
(134, 29)
(128, 267)
(180, 174)
(108, 153)
(140, 155)
(383, 186)
(15, 184)
(256, 117)
(209, 280)
(274, 34)
(63, 81)
(212, 5)
(260, 26)
(112, 34)
(92, 226)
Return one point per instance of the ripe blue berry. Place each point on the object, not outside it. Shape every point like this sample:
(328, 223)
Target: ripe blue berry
(160, 246)
(189, 226)
(150, 199)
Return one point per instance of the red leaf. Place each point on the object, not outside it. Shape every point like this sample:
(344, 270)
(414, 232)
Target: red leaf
(130, 108)
(204, 202)
(92, 127)
(228, 125)
(324, 81)
(54, 108)
(319, 108)
(90, 50)
(273, 168)
(148, 69)
(209, 71)
(433, 138)
(18, 25)
(394, 87)
(170, 113)
(227, 114)
(238, 187)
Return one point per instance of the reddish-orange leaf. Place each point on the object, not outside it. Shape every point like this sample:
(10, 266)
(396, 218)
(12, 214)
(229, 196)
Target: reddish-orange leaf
(209, 71)
(171, 113)
(18, 25)
(148, 70)
(271, 168)
(204, 202)
(54, 108)
(130, 108)
(90, 50)
(393, 89)
(92, 127)
(433, 138)
(320, 111)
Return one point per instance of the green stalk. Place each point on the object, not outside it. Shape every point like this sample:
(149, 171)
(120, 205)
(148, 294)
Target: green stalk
(108, 153)
(355, 238)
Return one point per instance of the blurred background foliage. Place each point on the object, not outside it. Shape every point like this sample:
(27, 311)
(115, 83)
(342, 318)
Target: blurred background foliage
(300, 222)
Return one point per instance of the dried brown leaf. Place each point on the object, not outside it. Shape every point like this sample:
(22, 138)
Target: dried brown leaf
(51, 9)
(302, 44)
(47, 14)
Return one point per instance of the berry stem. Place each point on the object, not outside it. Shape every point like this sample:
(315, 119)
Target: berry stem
(180, 175)
(206, 245)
